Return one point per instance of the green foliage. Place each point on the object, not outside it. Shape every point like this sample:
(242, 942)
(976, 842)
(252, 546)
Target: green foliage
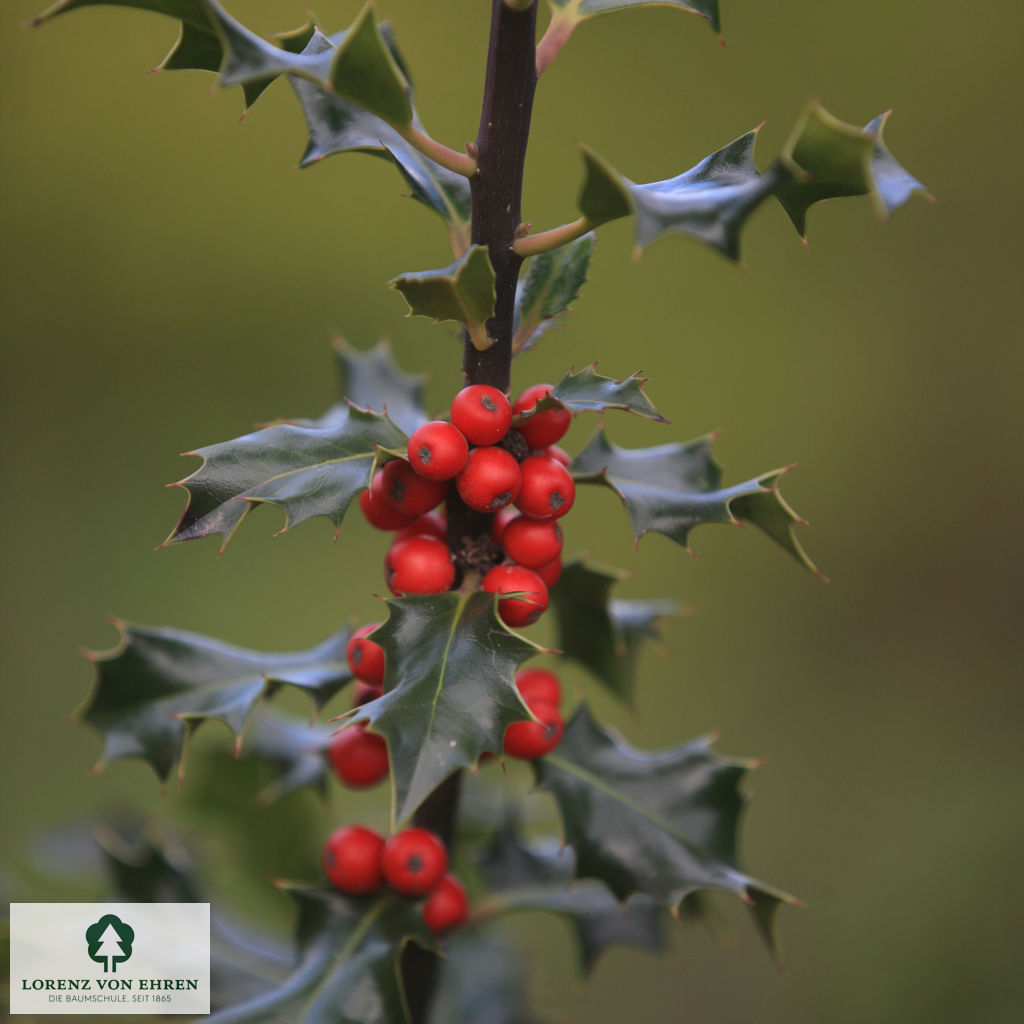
(648, 831)
(537, 876)
(463, 292)
(824, 158)
(662, 824)
(452, 702)
(671, 488)
(603, 633)
(549, 284)
(158, 686)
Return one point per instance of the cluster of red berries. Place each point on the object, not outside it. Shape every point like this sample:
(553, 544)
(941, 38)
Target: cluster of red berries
(494, 468)
(542, 694)
(414, 863)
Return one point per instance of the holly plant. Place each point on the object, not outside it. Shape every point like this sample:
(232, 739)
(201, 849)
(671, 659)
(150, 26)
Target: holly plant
(404, 924)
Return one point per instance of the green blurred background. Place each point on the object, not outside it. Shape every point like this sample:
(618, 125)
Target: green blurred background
(168, 280)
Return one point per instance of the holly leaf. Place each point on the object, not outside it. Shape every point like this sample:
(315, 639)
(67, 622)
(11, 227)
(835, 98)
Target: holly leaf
(601, 633)
(449, 690)
(589, 391)
(157, 686)
(661, 824)
(671, 488)
(371, 379)
(824, 158)
(580, 10)
(306, 471)
(348, 968)
(711, 201)
(480, 981)
(337, 125)
(539, 877)
(360, 67)
(463, 292)
(293, 748)
(549, 284)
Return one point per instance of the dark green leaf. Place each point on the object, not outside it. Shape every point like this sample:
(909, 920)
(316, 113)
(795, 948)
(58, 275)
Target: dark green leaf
(359, 67)
(549, 284)
(599, 632)
(605, 194)
(305, 470)
(371, 379)
(463, 292)
(671, 488)
(589, 391)
(348, 966)
(710, 202)
(449, 690)
(539, 877)
(158, 685)
(825, 158)
(480, 981)
(337, 125)
(662, 824)
(580, 10)
(293, 748)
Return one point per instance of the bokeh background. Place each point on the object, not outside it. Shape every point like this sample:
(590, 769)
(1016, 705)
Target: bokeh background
(168, 280)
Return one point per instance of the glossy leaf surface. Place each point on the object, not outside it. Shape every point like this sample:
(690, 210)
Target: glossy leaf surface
(371, 379)
(539, 876)
(662, 824)
(672, 488)
(587, 390)
(548, 285)
(450, 703)
(159, 685)
(359, 67)
(347, 970)
(601, 633)
(338, 125)
(306, 471)
(481, 980)
(824, 158)
(463, 292)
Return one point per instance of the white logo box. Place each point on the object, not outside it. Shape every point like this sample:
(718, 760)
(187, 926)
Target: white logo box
(109, 958)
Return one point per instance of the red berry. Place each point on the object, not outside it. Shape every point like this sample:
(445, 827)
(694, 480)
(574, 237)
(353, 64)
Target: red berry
(419, 565)
(530, 740)
(482, 413)
(490, 481)
(352, 858)
(532, 599)
(363, 693)
(532, 543)
(437, 450)
(413, 861)
(543, 428)
(539, 686)
(409, 493)
(548, 490)
(558, 454)
(359, 758)
(446, 906)
(502, 518)
(376, 509)
(433, 524)
(550, 572)
(365, 658)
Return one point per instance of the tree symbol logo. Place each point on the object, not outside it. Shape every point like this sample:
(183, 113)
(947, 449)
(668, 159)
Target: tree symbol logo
(110, 942)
